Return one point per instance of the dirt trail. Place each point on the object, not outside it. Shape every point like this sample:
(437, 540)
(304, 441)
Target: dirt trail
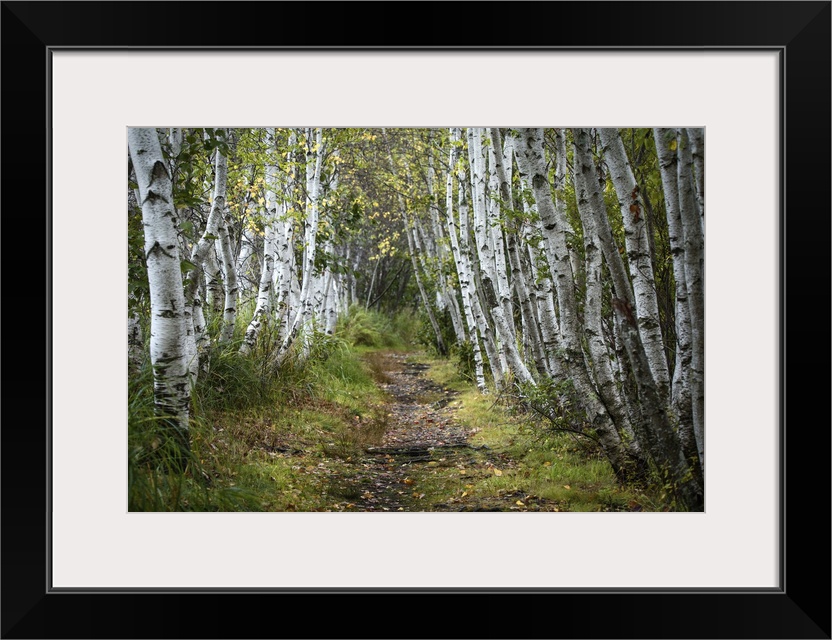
(422, 438)
(419, 423)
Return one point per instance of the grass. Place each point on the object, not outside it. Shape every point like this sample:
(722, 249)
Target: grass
(521, 459)
(263, 437)
(288, 437)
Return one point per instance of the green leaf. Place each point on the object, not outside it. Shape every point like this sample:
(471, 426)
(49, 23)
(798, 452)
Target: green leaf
(187, 265)
(210, 236)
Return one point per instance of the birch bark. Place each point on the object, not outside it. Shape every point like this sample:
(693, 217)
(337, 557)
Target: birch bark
(681, 397)
(223, 244)
(532, 163)
(461, 260)
(262, 310)
(637, 245)
(694, 279)
(171, 387)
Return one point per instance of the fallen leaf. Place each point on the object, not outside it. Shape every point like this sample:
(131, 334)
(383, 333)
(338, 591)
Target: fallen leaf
(566, 486)
(408, 481)
(464, 493)
(547, 464)
(520, 503)
(497, 472)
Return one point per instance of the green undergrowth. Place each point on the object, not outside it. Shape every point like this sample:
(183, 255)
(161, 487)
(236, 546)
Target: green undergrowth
(517, 463)
(365, 328)
(263, 436)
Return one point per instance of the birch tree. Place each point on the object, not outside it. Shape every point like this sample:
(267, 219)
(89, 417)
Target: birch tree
(461, 260)
(264, 292)
(533, 164)
(223, 245)
(637, 246)
(682, 394)
(167, 300)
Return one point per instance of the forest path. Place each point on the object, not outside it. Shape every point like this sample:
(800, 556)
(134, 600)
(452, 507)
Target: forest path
(423, 442)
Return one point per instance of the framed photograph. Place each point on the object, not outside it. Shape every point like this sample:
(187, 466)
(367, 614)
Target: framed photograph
(754, 75)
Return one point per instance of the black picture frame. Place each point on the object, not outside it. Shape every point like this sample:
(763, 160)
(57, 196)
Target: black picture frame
(800, 608)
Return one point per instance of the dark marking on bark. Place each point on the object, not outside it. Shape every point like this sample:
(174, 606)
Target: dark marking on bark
(624, 309)
(158, 248)
(152, 196)
(159, 171)
(488, 290)
(636, 211)
(538, 181)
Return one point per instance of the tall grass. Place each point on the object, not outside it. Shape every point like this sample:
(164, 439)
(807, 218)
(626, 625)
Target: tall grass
(253, 417)
(366, 328)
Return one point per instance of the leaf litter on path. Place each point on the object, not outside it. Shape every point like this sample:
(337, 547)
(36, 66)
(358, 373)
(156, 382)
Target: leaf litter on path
(424, 440)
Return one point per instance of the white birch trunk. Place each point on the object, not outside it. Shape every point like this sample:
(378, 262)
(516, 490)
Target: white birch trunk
(697, 148)
(694, 280)
(485, 265)
(461, 261)
(262, 311)
(498, 185)
(501, 183)
(172, 391)
(543, 289)
(470, 266)
(637, 245)
(223, 244)
(681, 386)
(314, 162)
(213, 276)
(245, 277)
(532, 163)
(593, 220)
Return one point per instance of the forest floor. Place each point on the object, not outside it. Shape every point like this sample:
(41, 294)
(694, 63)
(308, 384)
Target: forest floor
(425, 460)
(384, 430)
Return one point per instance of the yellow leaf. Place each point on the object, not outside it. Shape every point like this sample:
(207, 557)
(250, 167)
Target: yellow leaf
(408, 481)
(547, 464)
(462, 472)
(672, 145)
(464, 493)
(519, 503)
(497, 472)
(433, 463)
(566, 486)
